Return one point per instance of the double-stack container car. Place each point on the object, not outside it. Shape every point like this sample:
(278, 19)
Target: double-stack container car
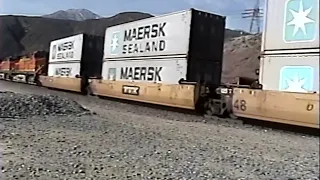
(164, 59)
(72, 61)
(25, 68)
(289, 66)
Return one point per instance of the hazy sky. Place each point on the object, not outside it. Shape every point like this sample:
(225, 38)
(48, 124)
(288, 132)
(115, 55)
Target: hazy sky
(230, 8)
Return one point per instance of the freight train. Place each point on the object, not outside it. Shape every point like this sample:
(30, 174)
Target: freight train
(25, 68)
(176, 60)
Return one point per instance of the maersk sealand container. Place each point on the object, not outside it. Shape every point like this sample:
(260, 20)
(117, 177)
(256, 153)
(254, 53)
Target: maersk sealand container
(72, 61)
(291, 25)
(77, 55)
(185, 45)
(290, 46)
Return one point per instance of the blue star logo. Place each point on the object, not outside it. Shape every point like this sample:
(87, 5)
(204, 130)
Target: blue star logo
(301, 18)
(296, 79)
(115, 43)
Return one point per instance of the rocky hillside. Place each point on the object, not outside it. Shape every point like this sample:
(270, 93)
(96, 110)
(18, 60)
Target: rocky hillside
(73, 14)
(241, 57)
(20, 35)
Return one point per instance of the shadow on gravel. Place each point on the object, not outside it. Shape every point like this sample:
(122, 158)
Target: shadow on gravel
(153, 106)
(148, 105)
(62, 90)
(253, 122)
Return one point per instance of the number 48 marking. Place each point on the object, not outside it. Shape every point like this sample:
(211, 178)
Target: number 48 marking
(240, 105)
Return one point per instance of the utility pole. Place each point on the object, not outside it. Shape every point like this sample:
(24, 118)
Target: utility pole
(255, 14)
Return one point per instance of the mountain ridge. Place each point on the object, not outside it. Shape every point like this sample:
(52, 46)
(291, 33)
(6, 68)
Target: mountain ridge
(22, 34)
(73, 14)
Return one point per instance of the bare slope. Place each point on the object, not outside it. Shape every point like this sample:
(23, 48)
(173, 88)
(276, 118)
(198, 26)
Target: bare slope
(241, 57)
(21, 34)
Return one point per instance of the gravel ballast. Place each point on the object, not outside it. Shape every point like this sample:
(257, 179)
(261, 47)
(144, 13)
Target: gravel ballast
(17, 105)
(126, 146)
(126, 142)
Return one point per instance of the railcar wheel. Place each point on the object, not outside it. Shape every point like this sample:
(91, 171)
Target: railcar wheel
(29, 79)
(212, 107)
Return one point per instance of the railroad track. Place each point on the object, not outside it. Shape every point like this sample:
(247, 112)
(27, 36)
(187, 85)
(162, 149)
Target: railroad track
(154, 110)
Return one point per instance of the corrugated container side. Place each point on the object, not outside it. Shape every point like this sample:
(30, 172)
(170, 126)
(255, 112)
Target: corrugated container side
(195, 37)
(66, 49)
(206, 47)
(282, 31)
(157, 36)
(92, 56)
(64, 70)
(79, 55)
(65, 56)
(167, 71)
(295, 72)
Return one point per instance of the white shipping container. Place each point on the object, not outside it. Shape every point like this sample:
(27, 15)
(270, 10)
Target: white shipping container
(166, 71)
(165, 49)
(162, 35)
(294, 73)
(66, 49)
(291, 25)
(64, 70)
